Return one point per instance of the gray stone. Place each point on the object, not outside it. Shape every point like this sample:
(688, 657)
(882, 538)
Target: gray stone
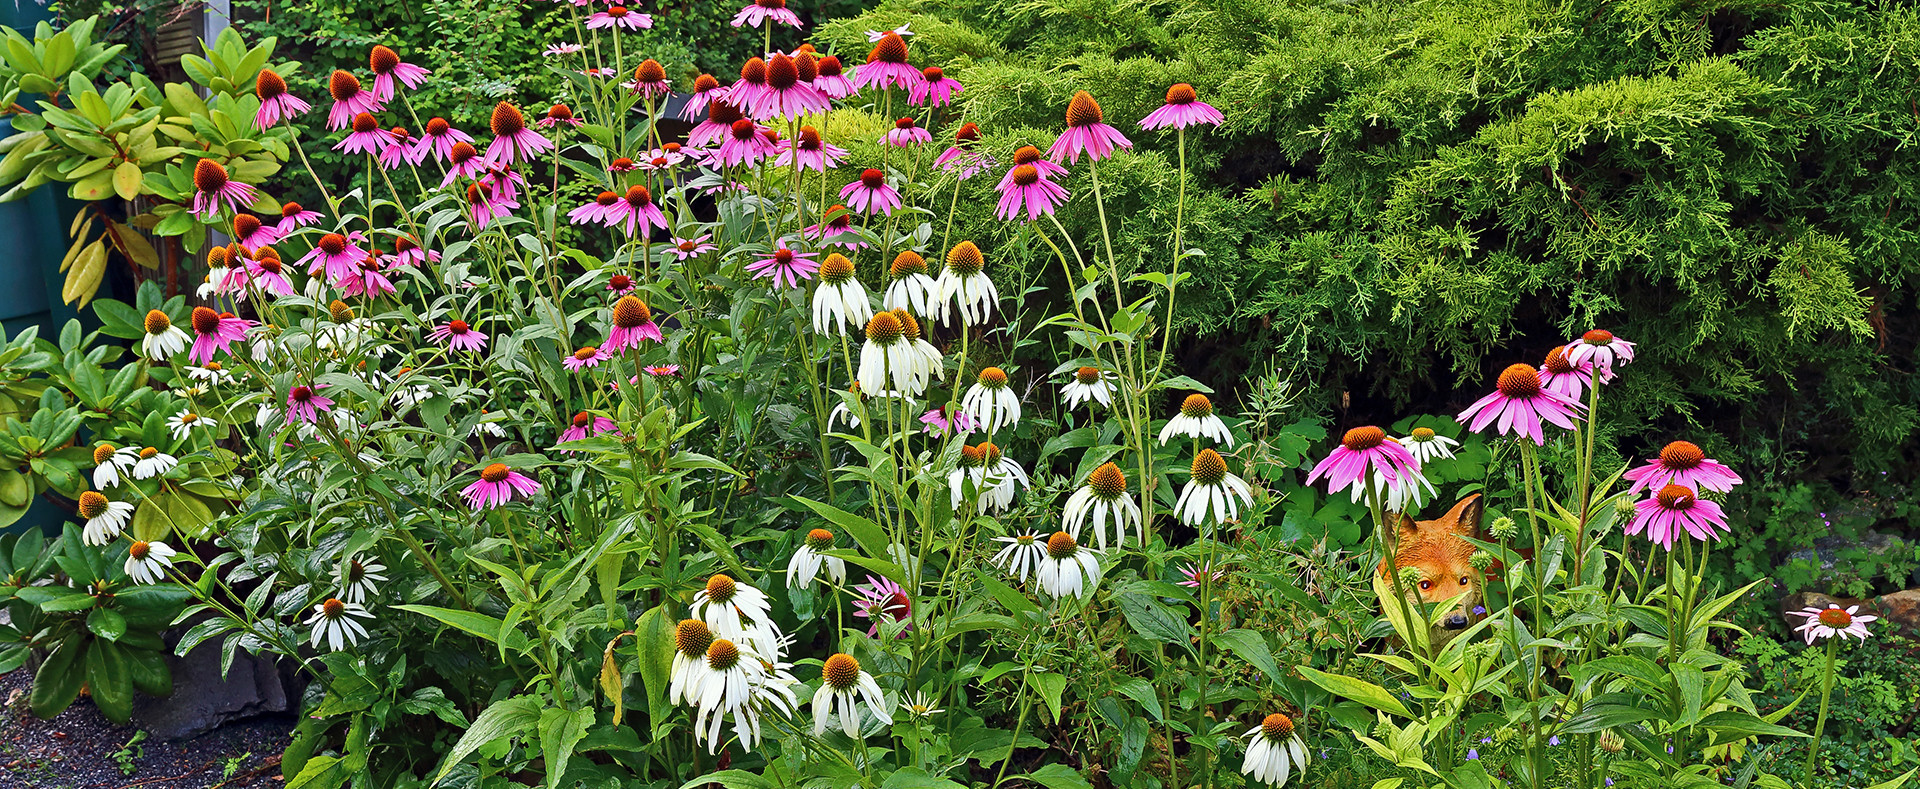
(203, 701)
(1827, 549)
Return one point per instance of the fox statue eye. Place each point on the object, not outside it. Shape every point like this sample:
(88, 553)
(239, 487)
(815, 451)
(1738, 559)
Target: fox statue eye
(1464, 580)
(1425, 585)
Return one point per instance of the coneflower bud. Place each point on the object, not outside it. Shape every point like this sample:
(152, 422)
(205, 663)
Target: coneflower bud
(102, 453)
(1611, 742)
(1361, 439)
(1519, 382)
(722, 655)
(1682, 455)
(692, 638)
(339, 311)
(841, 672)
(1411, 576)
(1209, 468)
(836, 269)
(507, 120)
(906, 264)
(1083, 110)
(1062, 546)
(1181, 93)
(829, 66)
(382, 59)
(92, 505)
(884, 329)
(1107, 482)
(968, 135)
(721, 588)
(1480, 560)
(1624, 508)
(630, 312)
(365, 122)
(1503, 528)
(891, 48)
(965, 259)
(209, 176)
(343, 85)
(1196, 406)
(205, 321)
(781, 72)
(269, 85)
(1276, 727)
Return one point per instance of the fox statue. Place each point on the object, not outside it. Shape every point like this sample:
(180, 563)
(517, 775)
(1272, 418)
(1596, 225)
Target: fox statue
(1435, 548)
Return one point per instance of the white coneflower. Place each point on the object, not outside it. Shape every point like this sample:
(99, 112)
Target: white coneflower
(357, 579)
(1104, 497)
(725, 687)
(487, 427)
(109, 462)
(163, 340)
(1426, 445)
(1274, 751)
(738, 612)
(1089, 385)
(908, 286)
(995, 477)
(928, 363)
(843, 413)
(105, 519)
(690, 641)
(211, 372)
(991, 402)
(964, 284)
(919, 706)
(840, 300)
(886, 359)
(843, 686)
(1196, 420)
(409, 395)
(1069, 570)
(1408, 491)
(1833, 621)
(808, 560)
(147, 562)
(153, 463)
(1022, 556)
(184, 422)
(333, 622)
(1213, 491)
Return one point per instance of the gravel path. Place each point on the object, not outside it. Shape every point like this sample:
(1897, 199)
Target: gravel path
(79, 749)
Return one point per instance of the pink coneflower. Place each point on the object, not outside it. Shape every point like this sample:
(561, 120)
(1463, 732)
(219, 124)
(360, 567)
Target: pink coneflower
(887, 66)
(836, 229)
(408, 252)
(1193, 575)
(632, 322)
(276, 104)
(812, 152)
(1683, 463)
(1029, 155)
(339, 255)
(498, 485)
(721, 115)
(906, 134)
(962, 156)
(439, 138)
(558, 115)
(635, 212)
(664, 157)
(650, 79)
(663, 370)
(463, 161)
(785, 267)
(746, 92)
(348, 100)
(786, 95)
(213, 190)
(1183, 109)
(585, 357)
(1833, 621)
(388, 68)
(619, 17)
(250, 232)
(942, 420)
(753, 14)
(488, 204)
(1675, 510)
(881, 597)
(562, 49)
(400, 151)
(305, 404)
(744, 145)
(513, 142)
(1600, 347)
(293, 217)
(685, 248)
(459, 336)
(1520, 401)
(269, 273)
(935, 88)
(1026, 190)
(1567, 378)
(1087, 132)
(1362, 452)
(368, 280)
(871, 194)
(586, 425)
(367, 137)
(830, 79)
(215, 331)
(620, 284)
(705, 90)
(595, 211)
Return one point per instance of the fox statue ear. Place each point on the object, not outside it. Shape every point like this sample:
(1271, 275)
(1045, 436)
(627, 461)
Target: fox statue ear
(1469, 513)
(1408, 524)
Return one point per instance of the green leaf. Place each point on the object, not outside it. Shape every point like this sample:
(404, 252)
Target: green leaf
(473, 622)
(1897, 782)
(502, 720)
(1607, 716)
(1357, 689)
(864, 531)
(653, 635)
(560, 731)
(109, 682)
(1251, 647)
(1051, 686)
(1736, 725)
(126, 180)
(731, 779)
(916, 778)
(320, 772)
(1151, 619)
(1058, 776)
(57, 683)
(107, 623)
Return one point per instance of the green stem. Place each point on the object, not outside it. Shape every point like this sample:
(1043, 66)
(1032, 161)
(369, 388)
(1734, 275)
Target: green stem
(1820, 726)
